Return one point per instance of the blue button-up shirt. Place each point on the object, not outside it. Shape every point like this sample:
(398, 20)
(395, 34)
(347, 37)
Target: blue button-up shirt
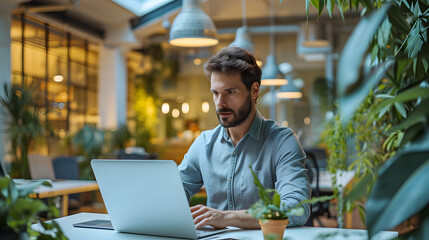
(274, 153)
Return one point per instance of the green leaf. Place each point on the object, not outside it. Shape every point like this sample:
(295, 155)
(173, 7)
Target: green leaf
(307, 4)
(410, 198)
(383, 33)
(4, 183)
(384, 96)
(411, 132)
(397, 177)
(425, 64)
(330, 7)
(355, 49)
(262, 193)
(415, 40)
(316, 199)
(315, 3)
(321, 6)
(27, 188)
(397, 18)
(400, 108)
(408, 95)
(360, 189)
(362, 213)
(276, 199)
(349, 103)
(420, 114)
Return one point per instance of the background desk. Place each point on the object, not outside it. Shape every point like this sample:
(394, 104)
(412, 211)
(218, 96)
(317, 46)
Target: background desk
(325, 180)
(62, 188)
(301, 233)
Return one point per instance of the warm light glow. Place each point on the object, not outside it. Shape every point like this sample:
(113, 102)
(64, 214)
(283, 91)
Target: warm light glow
(314, 57)
(58, 78)
(165, 108)
(197, 61)
(289, 95)
(185, 107)
(194, 42)
(285, 124)
(307, 120)
(259, 63)
(316, 43)
(205, 107)
(175, 113)
(273, 82)
(62, 133)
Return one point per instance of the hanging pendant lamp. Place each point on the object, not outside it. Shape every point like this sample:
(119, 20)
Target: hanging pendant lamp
(242, 37)
(193, 27)
(271, 75)
(289, 91)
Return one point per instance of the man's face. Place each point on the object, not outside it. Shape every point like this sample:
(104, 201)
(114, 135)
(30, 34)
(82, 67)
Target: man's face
(232, 100)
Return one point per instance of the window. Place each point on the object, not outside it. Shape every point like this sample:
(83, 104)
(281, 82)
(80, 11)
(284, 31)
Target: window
(62, 66)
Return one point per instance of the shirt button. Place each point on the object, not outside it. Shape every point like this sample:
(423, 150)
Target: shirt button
(229, 179)
(233, 154)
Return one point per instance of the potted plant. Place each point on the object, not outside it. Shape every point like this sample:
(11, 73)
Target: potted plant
(18, 212)
(273, 218)
(24, 124)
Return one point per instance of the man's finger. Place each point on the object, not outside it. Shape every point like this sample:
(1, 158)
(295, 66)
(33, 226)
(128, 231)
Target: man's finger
(200, 211)
(196, 207)
(201, 217)
(204, 222)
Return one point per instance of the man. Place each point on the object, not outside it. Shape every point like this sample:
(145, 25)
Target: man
(219, 158)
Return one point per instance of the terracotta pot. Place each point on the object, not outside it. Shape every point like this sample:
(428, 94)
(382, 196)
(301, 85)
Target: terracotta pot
(273, 229)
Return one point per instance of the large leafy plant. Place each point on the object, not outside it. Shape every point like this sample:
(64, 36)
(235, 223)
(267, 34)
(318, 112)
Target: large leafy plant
(24, 123)
(18, 212)
(382, 82)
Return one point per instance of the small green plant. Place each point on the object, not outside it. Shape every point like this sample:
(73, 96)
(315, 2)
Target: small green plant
(270, 206)
(18, 212)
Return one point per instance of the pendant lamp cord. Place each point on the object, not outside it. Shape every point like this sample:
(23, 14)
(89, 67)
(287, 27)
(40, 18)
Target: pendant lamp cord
(243, 13)
(272, 37)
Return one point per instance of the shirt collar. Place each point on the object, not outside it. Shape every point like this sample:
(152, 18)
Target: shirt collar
(254, 131)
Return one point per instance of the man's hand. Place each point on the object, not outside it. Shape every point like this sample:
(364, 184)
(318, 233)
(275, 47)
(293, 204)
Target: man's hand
(220, 219)
(208, 216)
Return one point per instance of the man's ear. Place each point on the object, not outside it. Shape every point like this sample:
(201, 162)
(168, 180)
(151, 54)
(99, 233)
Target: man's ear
(255, 90)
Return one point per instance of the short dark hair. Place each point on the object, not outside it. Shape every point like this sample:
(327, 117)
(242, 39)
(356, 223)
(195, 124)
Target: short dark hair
(235, 60)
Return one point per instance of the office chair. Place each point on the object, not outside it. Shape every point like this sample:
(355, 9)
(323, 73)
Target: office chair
(67, 168)
(321, 208)
(40, 167)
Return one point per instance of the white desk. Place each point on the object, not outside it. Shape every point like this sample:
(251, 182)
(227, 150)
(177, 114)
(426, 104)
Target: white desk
(301, 233)
(62, 188)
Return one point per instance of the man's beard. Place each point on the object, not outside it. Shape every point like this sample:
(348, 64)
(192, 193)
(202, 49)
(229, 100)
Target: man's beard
(243, 114)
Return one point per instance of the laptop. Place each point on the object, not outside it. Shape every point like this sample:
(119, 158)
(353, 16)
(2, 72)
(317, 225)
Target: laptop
(145, 197)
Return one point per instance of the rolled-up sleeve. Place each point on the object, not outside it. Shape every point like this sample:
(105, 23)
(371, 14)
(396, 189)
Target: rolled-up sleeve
(189, 169)
(292, 180)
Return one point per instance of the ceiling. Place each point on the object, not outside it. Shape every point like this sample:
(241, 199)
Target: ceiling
(151, 18)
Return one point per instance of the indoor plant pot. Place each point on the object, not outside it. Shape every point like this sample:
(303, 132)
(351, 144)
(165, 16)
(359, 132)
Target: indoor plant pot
(273, 229)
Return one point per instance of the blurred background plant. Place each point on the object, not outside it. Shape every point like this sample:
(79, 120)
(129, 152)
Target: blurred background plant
(146, 97)
(88, 142)
(18, 212)
(25, 122)
(382, 85)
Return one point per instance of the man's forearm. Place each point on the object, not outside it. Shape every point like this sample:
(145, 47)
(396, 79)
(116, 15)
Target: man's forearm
(241, 219)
